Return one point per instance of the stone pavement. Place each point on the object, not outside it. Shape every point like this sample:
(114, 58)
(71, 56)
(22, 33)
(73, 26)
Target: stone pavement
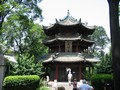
(60, 84)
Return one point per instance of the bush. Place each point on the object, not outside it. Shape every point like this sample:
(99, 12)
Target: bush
(25, 82)
(98, 81)
(26, 65)
(44, 88)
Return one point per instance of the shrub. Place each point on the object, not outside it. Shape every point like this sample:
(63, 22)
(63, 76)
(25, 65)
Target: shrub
(25, 82)
(98, 81)
(44, 88)
(26, 65)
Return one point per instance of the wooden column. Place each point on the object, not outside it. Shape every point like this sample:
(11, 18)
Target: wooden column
(46, 70)
(59, 47)
(115, 42)
(80, 71)
(77, 47)
(56, 73)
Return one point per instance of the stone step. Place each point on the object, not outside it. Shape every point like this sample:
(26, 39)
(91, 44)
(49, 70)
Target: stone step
(60, 84)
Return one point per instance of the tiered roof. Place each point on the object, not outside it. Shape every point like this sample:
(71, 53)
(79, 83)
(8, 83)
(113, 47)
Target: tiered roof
(69, 29)
(68, 24)
(78, 38)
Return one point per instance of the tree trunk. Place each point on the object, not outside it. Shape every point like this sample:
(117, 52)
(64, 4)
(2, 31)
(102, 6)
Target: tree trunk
(115, 36)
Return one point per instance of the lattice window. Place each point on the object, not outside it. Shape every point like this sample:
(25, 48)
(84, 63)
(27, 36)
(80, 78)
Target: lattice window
(68, 46)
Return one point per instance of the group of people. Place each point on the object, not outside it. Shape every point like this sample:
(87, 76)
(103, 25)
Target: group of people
(82, 85)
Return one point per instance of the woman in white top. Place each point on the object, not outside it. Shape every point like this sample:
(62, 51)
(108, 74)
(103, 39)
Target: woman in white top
(69, 77)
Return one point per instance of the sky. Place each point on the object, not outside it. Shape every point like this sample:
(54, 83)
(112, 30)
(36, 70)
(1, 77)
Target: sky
(94, 12)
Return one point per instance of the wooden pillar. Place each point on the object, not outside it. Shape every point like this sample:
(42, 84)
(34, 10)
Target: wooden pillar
(59, 47)
(77, 47)
(80, 71)
(56, 73)
(46, 70)
(115, 42)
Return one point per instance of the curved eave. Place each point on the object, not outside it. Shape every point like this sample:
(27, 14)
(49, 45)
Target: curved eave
(83, 40)
(53, 29)
(52, 26)
(70, 57)
(71, 60)
(88, 29)
(87, 42)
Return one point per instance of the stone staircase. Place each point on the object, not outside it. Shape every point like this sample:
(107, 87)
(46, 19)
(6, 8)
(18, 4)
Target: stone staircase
(60, 84)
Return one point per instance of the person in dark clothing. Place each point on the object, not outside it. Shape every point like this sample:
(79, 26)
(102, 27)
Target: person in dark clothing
(107, 87)
(75, 85)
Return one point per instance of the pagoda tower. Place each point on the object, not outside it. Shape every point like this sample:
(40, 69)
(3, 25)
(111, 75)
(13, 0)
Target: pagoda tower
(68, 41)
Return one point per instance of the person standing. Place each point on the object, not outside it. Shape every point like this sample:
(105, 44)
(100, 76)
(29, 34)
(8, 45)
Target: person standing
(47, 79)
(79, 83)
(69, 77)
(75, 85)
(85, 86)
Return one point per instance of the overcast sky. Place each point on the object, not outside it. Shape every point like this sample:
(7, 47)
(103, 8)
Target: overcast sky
(94, 12)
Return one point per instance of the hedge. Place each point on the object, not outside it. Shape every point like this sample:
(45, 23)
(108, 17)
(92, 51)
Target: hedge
(99, 81)
(45, 88)
(25, 82)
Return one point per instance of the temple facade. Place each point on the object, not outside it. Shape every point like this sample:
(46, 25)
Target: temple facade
(69, 42)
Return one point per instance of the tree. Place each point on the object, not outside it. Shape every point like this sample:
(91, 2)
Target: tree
(8, 7)
(26, 65)
(23, 35)
(119, 10)
(105, 66)
(101, 41)
(115, 42)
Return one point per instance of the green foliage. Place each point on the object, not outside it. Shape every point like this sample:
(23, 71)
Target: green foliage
(26, 65)
(101, 41)
(99, 80)
(3, 48)
(26, 82)
(9, 52)
(25, 36)
(28, 7)
(44, 88)
(105, 66)
(18, 14)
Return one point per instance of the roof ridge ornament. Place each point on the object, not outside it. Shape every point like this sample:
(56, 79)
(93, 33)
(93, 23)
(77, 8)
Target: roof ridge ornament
(56, 20)
(68, 13)
(80, 20)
